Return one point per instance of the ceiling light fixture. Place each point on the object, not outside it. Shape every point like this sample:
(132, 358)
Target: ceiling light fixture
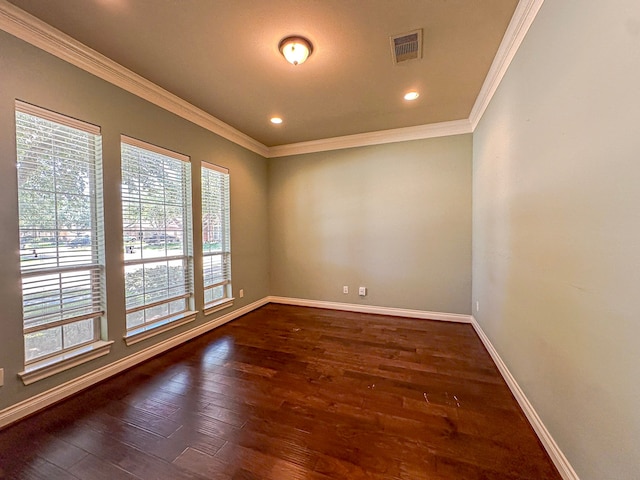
(295, 49)
(276, 120)
(411, 95)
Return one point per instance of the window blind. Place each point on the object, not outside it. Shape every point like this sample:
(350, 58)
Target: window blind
(61, 230)
(216, 238)
(156, 210)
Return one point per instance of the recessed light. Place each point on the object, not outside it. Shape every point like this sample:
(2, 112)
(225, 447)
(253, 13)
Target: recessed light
(276, 120)
(411, 95)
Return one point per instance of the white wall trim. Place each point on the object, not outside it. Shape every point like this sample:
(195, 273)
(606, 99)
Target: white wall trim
(65, 361)
(351, 307)
(32, 30)
(433, 130)
(38, 402)
(522, 19)
(560, 461)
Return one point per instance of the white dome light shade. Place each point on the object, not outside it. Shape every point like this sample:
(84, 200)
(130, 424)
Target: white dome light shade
(411, 95)
(276, 120)
(295, 49)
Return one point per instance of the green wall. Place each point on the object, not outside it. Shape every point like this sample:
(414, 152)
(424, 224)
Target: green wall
(556, 236)
(395, 218)
(33, 76)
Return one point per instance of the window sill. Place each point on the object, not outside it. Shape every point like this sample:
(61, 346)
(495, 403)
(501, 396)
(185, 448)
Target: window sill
(59, 363)
(217, 306)
(148, 331)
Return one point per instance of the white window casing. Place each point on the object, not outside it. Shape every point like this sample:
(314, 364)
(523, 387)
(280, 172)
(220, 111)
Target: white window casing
(216, 237)
(156, 213)
(61, 228)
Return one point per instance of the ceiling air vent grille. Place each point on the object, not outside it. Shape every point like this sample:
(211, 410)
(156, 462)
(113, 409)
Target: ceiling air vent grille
(406, 46)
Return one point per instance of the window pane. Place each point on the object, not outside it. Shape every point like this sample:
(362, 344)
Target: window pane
(216, 269)
(177, 306)
(156, 313)
(59, 296)
(41, 343)
(156, 282)
(135, 319)
(134, 285)
(153, 282)
(214, 294)
(78, 333)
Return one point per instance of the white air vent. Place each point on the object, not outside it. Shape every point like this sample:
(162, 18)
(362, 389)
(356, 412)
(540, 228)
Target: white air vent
(406, 46)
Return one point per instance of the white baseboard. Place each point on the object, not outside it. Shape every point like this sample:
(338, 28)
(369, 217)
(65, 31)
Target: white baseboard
(351, 307)
(560, 461)
(31, 405)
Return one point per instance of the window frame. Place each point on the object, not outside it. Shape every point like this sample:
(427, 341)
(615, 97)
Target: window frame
(227, 299)
(146, 329)
(62, 266)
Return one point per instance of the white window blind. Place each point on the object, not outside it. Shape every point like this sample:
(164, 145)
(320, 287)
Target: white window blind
(156, 209)
(61, 231)
(216, 238)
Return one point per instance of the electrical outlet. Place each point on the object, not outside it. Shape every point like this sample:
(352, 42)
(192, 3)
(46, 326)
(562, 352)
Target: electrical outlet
(362, 291)
(241, 292)
(1, 377)
(345, 289)
(477, 305)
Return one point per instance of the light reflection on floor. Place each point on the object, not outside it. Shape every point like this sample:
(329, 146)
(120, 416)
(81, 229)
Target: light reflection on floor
(217, 352)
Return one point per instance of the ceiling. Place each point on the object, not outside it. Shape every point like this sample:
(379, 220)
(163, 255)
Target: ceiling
(222, 57)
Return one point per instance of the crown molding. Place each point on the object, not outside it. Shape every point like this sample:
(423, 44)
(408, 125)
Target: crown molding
(522, 19)
(32, 30)
(433, 130)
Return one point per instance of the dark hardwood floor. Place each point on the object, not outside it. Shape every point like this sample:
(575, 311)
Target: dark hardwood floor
(292, 393)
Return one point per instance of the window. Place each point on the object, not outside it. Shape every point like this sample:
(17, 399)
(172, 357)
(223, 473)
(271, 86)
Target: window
(61, 235)
(156, 210)
(216, 239)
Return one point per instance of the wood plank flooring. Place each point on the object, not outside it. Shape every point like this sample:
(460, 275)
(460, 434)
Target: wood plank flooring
(292, 393)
